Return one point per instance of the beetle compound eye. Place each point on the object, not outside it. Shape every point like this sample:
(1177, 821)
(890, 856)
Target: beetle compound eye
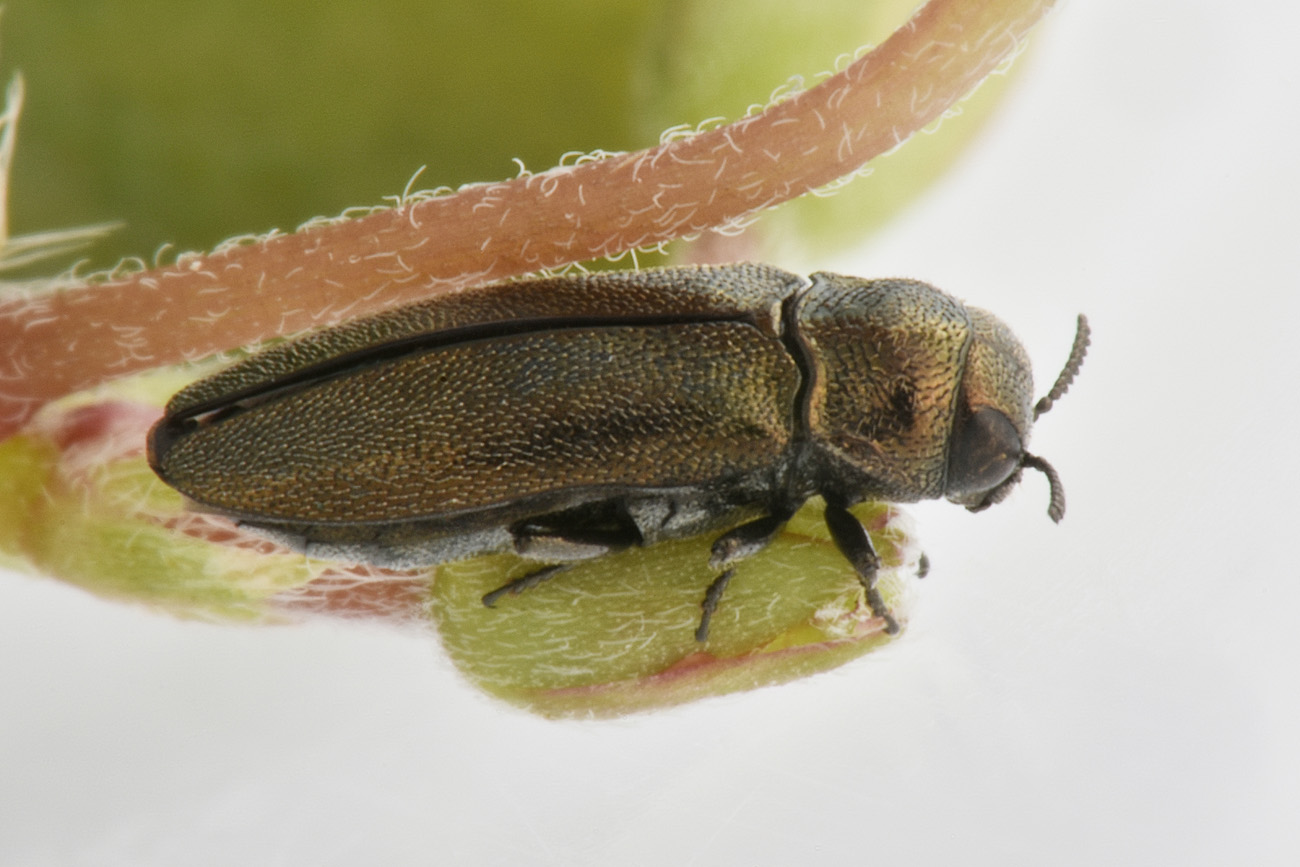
(984, 452)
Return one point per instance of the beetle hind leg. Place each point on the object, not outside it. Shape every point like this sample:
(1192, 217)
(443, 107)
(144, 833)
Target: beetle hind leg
(519, 585)
(583, 533)
(565, 538)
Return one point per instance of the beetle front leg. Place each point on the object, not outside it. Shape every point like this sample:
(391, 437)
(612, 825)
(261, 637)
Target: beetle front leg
(855, 544)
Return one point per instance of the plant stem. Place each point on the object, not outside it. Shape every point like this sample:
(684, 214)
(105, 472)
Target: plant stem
(81, 335)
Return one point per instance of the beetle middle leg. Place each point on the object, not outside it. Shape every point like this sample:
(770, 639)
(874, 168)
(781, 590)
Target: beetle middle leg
(736, 544)
(565, 538)
(854, 543)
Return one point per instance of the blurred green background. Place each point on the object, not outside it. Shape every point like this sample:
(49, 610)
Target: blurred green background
(190, 123)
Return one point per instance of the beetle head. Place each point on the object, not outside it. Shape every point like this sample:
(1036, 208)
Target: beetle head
(986, 453)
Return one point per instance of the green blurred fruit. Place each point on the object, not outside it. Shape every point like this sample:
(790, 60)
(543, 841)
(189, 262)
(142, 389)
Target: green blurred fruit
(192, 123)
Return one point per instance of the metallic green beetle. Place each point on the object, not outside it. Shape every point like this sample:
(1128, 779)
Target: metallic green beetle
(567, 417)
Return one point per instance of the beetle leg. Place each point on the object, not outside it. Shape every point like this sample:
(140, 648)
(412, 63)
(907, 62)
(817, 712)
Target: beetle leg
(854, 543)
(747, 539)
(563, 539)
(535, 542)
(736, 544)
(582, 533)
(519, 585)
(711, 599)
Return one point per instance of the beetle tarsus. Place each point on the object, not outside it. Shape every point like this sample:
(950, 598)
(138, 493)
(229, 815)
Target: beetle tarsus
(712, 597)
(878, 609)
(527, 582)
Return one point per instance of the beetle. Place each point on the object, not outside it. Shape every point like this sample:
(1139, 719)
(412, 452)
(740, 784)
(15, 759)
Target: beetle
(567, 417)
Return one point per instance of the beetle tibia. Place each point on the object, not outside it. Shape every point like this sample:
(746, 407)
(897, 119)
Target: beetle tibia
(851, 538)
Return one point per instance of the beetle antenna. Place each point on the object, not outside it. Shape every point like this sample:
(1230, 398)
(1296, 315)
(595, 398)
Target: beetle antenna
(1071, 369)
(1056, 506)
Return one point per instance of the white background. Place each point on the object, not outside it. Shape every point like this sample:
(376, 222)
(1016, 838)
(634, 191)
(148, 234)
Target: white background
(1120, 689)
